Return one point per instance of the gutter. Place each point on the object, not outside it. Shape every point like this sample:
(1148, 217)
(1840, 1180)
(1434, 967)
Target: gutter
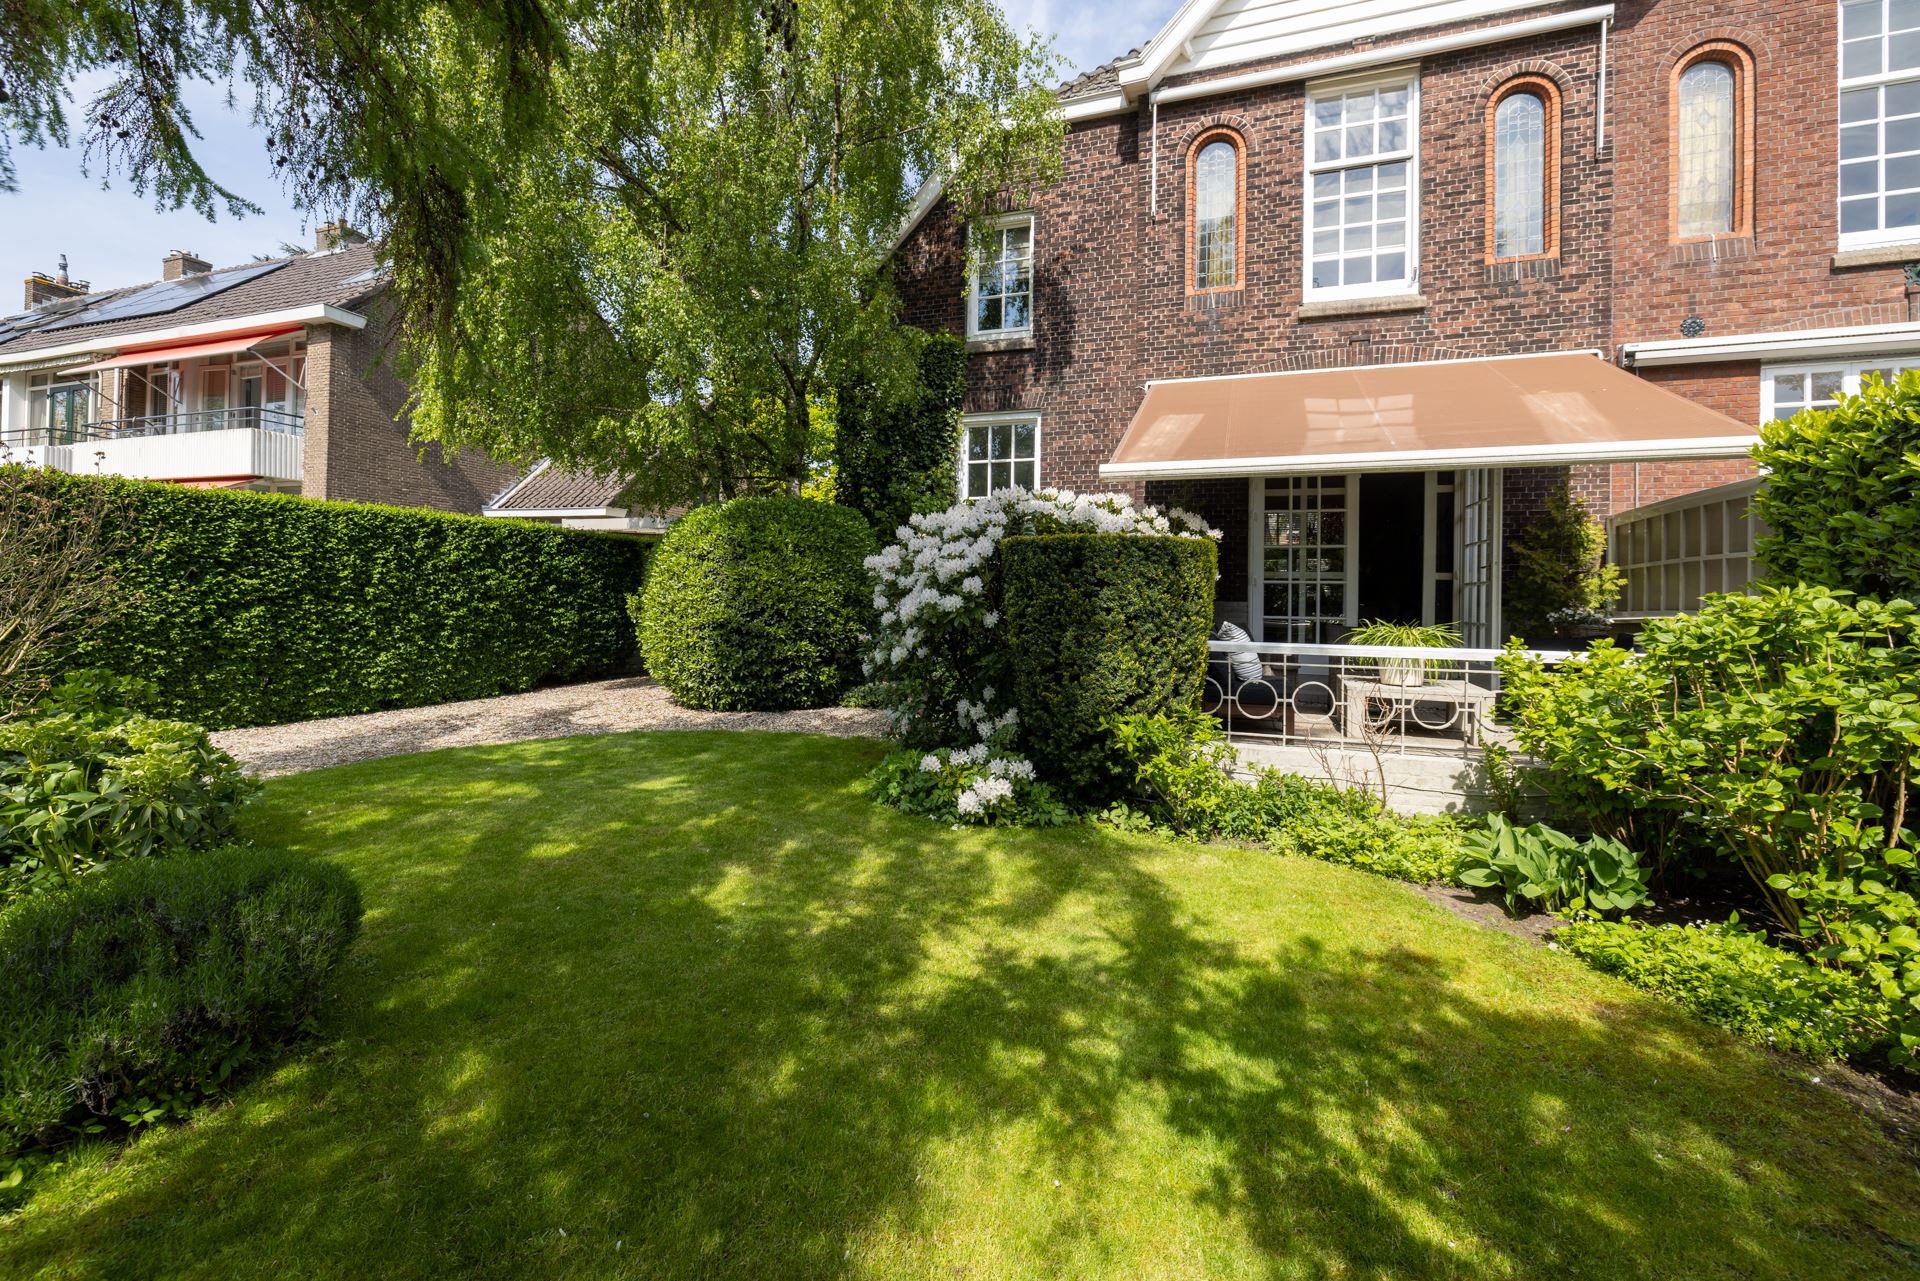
(1863, 340)
(312, 314)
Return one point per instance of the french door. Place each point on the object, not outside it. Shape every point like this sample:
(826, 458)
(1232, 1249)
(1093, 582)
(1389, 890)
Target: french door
(1480, 557)
(1304, 527)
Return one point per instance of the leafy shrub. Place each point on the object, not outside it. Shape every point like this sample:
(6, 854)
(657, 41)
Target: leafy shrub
(1556, 579)
(1176, 769)
(1339, 825)
(1842, 496)
(133, 994)
(1731, 977)
(1776, 731)
(938, 643)
(85, 780)
(1551, 869)
(758, 604)
(255, 609)
(894, 451)
(1102, 626)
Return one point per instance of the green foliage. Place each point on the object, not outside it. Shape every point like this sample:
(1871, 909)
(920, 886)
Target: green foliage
(1176, 770)
(1842, 494)
(256, 609)
(1552, 870)
(1778, 731)
(1555, 577)
(758, 604)
(1101, 626)
(1870, 926)
(1341, 825)
(136, 993)
(1731, 977)
(983, 786)
(896, 455)
(698, 251)
(85, 780)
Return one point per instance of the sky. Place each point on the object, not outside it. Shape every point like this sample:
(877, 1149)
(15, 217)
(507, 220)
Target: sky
(112, 236)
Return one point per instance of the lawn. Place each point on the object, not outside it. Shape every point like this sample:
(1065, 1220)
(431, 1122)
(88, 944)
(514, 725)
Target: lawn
(687, 1005)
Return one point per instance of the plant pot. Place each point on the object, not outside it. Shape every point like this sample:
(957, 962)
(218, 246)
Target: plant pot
(1403, 673)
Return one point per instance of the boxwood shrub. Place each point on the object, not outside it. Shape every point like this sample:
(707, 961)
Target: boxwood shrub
(137, 992)
(254, 609)
(1101, 626)
(758, 604)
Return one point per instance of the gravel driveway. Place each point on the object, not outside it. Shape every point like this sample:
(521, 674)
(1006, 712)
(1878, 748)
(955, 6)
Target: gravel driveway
(597, 707)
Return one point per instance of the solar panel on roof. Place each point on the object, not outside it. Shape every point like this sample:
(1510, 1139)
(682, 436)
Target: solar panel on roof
(368, 276)
(171, 295)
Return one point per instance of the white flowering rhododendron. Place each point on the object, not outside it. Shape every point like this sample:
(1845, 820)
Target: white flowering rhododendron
(936, 592)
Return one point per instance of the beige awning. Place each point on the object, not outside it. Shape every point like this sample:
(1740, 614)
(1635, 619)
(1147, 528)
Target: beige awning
(1507, 411)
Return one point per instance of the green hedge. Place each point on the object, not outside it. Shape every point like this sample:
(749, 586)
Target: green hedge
(1101, 626)
(134, 993)
(897, 456)
(256, 609)
(758, 604)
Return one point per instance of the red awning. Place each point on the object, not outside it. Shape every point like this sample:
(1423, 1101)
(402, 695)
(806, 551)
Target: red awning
(221, 346)
(1509, 411)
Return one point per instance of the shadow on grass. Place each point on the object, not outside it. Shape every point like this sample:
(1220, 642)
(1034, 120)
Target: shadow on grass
(685, 1005)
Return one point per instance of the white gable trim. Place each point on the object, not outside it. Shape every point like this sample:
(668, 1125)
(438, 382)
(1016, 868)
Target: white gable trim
(1166, 48)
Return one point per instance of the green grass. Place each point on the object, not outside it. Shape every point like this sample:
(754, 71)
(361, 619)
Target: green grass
(686, 1005)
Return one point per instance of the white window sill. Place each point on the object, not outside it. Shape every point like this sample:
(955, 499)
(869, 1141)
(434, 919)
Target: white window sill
(1373, 305)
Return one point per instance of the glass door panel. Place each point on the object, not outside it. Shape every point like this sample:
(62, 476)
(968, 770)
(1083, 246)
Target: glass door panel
(1307, 558)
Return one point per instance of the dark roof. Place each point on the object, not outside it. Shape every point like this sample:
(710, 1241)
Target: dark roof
(550, 488)
(340, 277)
(1104, 78)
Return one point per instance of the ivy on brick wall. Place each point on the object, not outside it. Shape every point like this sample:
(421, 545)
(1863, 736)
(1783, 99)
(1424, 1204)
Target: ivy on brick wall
(898, 455)
(255, 609)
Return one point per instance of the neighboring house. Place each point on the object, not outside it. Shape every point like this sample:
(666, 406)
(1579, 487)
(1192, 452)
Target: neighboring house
(1364, 282)
(576, 499)
(265, 376)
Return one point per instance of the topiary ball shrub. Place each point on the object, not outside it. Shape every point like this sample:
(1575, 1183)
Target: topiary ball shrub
(136, 992)
(759, 604)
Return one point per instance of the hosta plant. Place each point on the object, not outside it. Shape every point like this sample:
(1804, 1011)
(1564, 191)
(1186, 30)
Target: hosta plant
(1551, 870)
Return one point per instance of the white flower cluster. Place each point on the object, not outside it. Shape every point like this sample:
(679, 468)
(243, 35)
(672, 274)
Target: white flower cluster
(984, 794)
(932, 580)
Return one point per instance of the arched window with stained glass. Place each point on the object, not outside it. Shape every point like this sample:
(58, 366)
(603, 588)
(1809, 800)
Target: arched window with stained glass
(1217, 184)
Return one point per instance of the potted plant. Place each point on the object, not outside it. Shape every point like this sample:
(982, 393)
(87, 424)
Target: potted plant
(1405, 672)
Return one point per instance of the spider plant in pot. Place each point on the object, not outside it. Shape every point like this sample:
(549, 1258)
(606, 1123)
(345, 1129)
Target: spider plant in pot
(1406, 672)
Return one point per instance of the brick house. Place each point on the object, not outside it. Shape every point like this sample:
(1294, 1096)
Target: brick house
(266, 376)
(1365, 282)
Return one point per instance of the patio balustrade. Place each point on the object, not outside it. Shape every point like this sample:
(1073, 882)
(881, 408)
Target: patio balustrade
(1384, 698)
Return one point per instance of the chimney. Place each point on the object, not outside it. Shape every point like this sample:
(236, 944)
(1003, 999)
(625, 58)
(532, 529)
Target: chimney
(180, 263)
(44, 288)
(336, 235)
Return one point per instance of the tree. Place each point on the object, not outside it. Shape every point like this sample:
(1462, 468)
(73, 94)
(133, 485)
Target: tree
(897, 456)
(56, 574)
(1558, 581)
(699, 254)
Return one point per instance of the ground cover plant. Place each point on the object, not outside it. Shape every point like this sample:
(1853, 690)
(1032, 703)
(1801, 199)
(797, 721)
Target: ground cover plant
(690, 1005)
(88, 778)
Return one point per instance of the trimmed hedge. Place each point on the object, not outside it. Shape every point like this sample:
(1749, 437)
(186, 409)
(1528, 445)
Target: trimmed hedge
(896, 457)
(1101, 626)
(140, 990)
(759, 604)
(256, 609)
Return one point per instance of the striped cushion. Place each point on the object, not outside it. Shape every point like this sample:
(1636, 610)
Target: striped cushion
(1245, 667)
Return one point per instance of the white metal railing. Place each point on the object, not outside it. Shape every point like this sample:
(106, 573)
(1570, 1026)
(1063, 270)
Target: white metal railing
(1383, 698)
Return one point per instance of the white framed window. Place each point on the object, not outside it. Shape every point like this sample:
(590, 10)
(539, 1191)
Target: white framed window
(1879, 122)
(1000, 302)
(1785, 390)
(1363, 186)
(59, 408)
(998, 451)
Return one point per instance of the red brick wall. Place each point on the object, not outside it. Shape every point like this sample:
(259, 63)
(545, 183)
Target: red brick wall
(357, 444)
(1783, 277)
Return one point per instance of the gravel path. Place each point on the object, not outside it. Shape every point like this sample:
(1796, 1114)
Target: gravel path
(597, 707)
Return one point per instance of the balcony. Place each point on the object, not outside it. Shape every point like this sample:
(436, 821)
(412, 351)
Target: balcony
(229, 445)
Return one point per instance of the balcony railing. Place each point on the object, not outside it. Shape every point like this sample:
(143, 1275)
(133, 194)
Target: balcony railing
(1378, 698)
(265, 419)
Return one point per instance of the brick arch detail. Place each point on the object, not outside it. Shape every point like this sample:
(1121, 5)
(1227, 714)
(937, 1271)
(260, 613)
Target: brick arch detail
(1753, 42)
(1219, 120)
(1338, 355)
(1541, 67)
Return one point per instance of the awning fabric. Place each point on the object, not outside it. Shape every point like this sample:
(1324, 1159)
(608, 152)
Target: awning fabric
(1508, 411)
(224, 345)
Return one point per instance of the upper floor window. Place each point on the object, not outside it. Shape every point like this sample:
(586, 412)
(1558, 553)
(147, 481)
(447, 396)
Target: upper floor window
(998, 453)
(59, 407)
(1879, 121)
(1362, 187)
(1709, 128)
(1217, 185)
(1002, 296)
(1523, 170)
